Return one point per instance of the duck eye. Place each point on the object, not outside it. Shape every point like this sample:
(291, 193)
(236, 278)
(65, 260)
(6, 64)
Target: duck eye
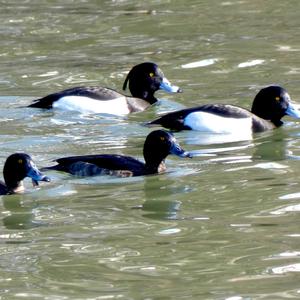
(151, 74)
(162, 138)
(20, 161)
(277, 99)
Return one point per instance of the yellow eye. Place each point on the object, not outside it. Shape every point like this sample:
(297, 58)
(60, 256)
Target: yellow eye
(20, 161)
(151, 74)
(162, 138)
(277, 98)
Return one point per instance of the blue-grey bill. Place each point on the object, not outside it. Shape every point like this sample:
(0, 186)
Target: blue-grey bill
(293, 110)
(177, 150)
(168, 87)
(36, 176)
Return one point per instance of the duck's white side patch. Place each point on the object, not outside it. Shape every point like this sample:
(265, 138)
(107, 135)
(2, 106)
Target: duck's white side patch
(87, 105)
(207, 122)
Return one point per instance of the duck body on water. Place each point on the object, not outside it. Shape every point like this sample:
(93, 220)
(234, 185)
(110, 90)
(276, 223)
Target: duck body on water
(143, 81)
(269, 106)
(158, 145)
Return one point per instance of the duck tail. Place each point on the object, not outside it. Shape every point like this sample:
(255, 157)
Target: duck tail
(154, 123)
(45, 102)
(57, 167)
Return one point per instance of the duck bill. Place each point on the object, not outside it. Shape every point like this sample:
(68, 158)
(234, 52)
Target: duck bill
(36, 176)
(166, 86)
(177, 150)
(293, 110)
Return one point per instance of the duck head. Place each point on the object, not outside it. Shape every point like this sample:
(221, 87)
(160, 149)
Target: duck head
(145, 79)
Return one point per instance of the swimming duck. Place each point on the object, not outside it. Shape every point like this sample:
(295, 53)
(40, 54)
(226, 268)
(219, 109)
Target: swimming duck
(269, 106)
(143, 80)
(158, 145)
(16, 168)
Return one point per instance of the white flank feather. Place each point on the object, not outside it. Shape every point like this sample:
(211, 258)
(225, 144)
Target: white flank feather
(208, 122)
(87, 105)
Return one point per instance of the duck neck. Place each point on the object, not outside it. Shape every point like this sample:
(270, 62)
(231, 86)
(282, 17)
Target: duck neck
(157, 167)
(268, 111)
(15, 187)
(155, 163)
(277, 122)
(145, 95)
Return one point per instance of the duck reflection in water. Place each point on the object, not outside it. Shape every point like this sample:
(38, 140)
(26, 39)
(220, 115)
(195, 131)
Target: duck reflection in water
(159, 203)
(18, 215)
